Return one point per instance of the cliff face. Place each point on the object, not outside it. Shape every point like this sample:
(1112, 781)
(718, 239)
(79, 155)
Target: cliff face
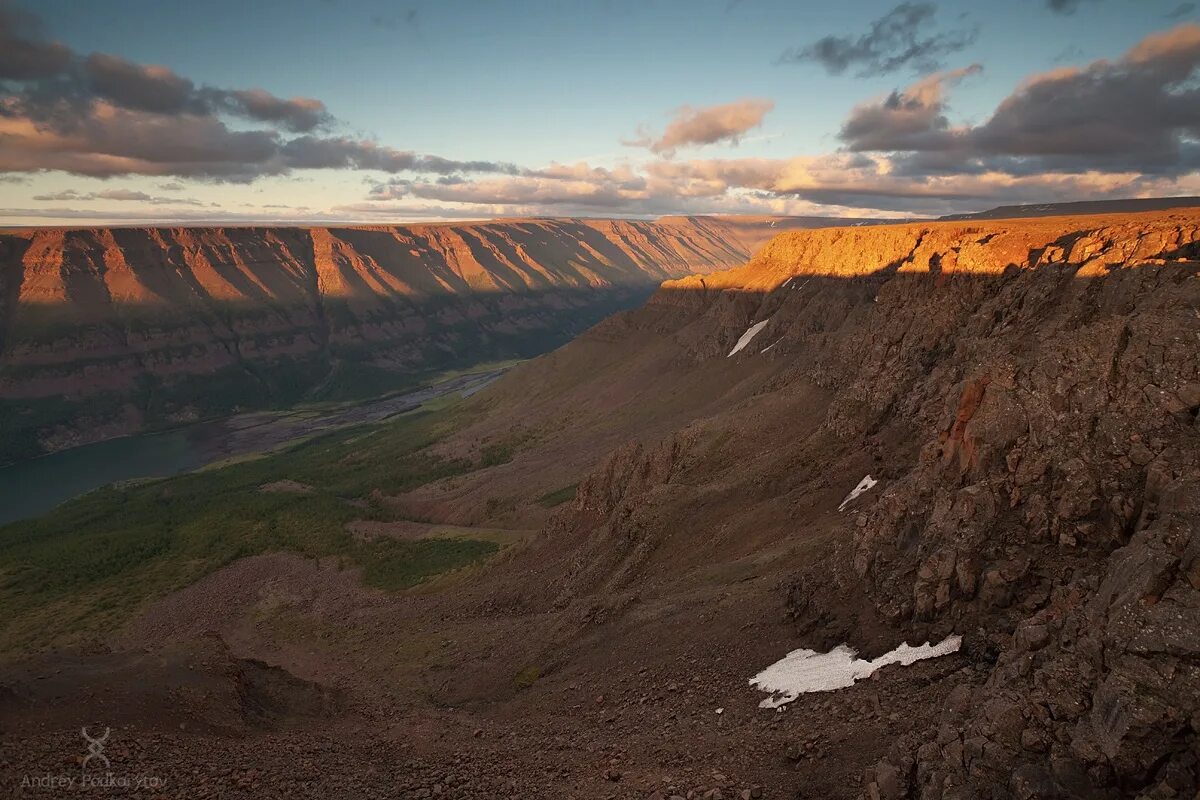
(1028, 396)
(105, 331)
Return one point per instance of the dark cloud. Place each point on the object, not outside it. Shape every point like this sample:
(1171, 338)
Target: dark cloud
(309, 152)
(1065, 6)
(905, 120)
(103, 116)
(898, 40)
(1181, 11)
(121, 142)
(1139, 113)
(299, 114)
(136, 86)
(24, 55)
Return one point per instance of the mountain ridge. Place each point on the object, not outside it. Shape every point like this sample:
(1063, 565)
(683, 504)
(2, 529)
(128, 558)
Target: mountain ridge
(120, 327)
(676, 516)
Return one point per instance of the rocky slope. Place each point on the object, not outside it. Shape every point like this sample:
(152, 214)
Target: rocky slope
(1027, 395)
(105, 331)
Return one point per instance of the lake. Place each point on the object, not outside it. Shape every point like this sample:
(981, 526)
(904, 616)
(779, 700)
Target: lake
(31, 488)
(35, 487)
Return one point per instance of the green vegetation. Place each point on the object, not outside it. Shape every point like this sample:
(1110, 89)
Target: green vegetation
(558, 496)
(502, 452)
(527, 677)
(86, 567)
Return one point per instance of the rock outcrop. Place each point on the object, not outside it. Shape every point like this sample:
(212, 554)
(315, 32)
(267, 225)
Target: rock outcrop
(1030, 394)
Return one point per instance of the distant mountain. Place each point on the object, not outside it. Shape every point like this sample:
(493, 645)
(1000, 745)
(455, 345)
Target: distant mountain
(1131, 206)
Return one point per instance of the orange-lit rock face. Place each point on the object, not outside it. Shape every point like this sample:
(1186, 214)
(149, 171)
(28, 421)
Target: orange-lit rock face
(103, 316)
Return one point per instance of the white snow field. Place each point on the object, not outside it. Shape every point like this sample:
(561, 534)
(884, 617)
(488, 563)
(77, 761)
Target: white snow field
(803, 671)
(750, 333)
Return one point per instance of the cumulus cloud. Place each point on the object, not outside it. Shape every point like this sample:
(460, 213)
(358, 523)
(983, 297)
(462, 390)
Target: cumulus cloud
(700, 126)
(1139, 113)
(904, 119)
(135, 86)
(898, 40)
(101, 115)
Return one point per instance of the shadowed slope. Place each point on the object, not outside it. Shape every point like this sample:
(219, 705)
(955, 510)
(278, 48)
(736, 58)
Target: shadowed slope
(128, 327)
(1026, 394)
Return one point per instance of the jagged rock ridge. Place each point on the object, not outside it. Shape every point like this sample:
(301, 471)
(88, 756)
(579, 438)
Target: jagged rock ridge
(1029, 394)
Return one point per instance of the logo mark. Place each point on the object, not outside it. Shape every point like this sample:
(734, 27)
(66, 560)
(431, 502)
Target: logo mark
(96, 747)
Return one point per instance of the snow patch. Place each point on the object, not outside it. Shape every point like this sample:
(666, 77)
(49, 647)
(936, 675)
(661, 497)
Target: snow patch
(750, 333)
(863, 485)
(804, 671)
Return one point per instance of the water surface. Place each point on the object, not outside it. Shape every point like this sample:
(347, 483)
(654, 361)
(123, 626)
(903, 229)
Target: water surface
(31, 488)
(35, 487)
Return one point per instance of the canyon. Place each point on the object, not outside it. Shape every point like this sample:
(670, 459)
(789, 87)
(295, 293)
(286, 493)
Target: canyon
(679, 499)
(112, 331)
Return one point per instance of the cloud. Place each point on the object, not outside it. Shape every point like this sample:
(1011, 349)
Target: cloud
(120, 195)
(894, 42)
(1065, 6)
(101, 115)
(157, 216)
(136, 86)
(859, 181)
(297, 114)
(701, 126)
(309, 152)
(904, 119)
(23, 55)
(578, 184)
(107, 141)
(1120, 128)
(1181, 11)
(1139, 113)
(394, 22)
(849, 182)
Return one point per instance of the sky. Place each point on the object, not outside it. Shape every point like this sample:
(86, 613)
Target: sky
(374, 111)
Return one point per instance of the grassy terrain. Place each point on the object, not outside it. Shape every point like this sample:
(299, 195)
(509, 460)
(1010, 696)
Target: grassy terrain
(558, 496)
(86, 567)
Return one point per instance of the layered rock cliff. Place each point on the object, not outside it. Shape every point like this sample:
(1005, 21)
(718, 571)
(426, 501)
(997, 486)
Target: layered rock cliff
(107, 331)
(1027, 395)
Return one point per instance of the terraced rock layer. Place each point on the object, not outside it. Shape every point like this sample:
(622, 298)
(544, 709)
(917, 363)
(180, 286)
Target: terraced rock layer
(104, 332)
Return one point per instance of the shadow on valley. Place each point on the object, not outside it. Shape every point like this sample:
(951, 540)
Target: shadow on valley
(64, 383)
(101, 555)
(572, 574)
